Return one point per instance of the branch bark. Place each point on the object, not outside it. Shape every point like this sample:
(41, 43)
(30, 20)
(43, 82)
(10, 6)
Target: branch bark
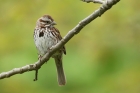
(94, 1)
(37, 65)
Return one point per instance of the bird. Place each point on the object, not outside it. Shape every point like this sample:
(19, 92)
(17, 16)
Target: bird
(46, 35)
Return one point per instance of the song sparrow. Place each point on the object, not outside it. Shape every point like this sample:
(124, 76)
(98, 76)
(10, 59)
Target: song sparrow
(46, 36)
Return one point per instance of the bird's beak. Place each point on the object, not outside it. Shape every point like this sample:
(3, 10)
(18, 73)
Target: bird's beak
(54, 23)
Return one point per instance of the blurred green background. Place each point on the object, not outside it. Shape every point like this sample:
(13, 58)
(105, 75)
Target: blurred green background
(103, 58)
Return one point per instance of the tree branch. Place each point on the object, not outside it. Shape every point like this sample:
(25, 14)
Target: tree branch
(94, 1)
(37, 65)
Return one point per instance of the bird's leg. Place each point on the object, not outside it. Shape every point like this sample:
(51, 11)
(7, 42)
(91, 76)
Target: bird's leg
(39, 57)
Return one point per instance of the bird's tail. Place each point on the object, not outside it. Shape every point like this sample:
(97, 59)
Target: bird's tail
(60, 71)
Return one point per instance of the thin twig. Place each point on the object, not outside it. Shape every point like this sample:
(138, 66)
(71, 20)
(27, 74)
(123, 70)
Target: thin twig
(36, 75)
(94, 1)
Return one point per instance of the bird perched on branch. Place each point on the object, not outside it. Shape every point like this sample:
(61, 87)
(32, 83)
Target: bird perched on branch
(46, 36)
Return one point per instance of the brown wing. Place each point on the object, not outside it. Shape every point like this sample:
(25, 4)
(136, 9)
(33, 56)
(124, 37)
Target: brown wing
(59, 37)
